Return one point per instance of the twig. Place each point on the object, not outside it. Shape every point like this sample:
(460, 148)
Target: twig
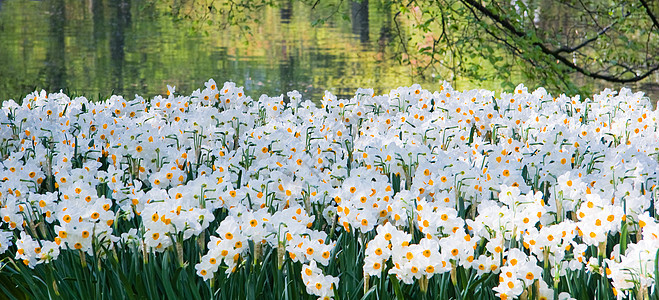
(512, 29)
(586, 42)
(400, 37)
(650, 14)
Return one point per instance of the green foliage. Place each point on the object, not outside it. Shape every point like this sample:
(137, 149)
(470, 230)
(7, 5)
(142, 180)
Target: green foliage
(550, 43)
(127, 272)
(554, 44)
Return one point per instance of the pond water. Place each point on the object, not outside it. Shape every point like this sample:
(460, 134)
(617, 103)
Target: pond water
(97, 48)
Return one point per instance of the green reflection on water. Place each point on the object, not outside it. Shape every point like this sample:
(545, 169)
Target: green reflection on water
(128, 47)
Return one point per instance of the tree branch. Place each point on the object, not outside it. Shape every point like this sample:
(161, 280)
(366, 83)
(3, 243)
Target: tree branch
(553, 53)
(584, 43)
(400, 34)
(590, 14)
(652, 16)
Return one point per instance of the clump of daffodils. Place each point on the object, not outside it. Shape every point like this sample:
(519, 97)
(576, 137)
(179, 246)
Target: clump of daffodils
(524, 186)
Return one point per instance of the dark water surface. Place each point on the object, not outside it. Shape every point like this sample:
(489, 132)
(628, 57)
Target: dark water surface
(97, 48)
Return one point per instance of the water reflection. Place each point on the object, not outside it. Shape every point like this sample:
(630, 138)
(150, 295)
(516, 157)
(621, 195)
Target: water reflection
(359, 13)
(119, 22)
(385, 30)
(98, 20)
(286, 12)
(138, 46)
(55, 63)
(132, 47)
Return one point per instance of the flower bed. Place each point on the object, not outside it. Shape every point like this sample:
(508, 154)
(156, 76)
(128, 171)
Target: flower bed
(410, 194)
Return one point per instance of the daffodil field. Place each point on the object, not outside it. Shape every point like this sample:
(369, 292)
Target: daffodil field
(408, 195)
